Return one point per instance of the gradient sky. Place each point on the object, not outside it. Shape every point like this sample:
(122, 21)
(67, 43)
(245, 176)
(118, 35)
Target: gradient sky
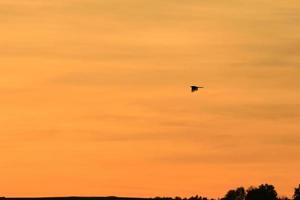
(95, 96)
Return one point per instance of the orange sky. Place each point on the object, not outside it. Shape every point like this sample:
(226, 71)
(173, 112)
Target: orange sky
(95, 98)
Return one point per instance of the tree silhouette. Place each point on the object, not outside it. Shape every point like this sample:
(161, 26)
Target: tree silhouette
(297, 193)
(238, 194)
(283, 198)
(263, 192)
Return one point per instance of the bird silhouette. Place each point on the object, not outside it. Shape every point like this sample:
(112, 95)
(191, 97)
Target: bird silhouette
(195, 88)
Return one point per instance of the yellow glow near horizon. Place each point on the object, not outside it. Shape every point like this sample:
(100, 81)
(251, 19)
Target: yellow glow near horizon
(95, 97)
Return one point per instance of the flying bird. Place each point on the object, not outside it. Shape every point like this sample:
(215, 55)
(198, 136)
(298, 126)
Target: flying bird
(195, 88)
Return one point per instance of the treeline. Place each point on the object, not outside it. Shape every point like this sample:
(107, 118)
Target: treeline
(262, 192)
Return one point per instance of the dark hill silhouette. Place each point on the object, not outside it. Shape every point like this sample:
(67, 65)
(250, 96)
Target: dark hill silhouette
(77, 198)
(105, 198)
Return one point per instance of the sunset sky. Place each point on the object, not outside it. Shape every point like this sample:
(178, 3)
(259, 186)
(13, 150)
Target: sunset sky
(95, 97)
